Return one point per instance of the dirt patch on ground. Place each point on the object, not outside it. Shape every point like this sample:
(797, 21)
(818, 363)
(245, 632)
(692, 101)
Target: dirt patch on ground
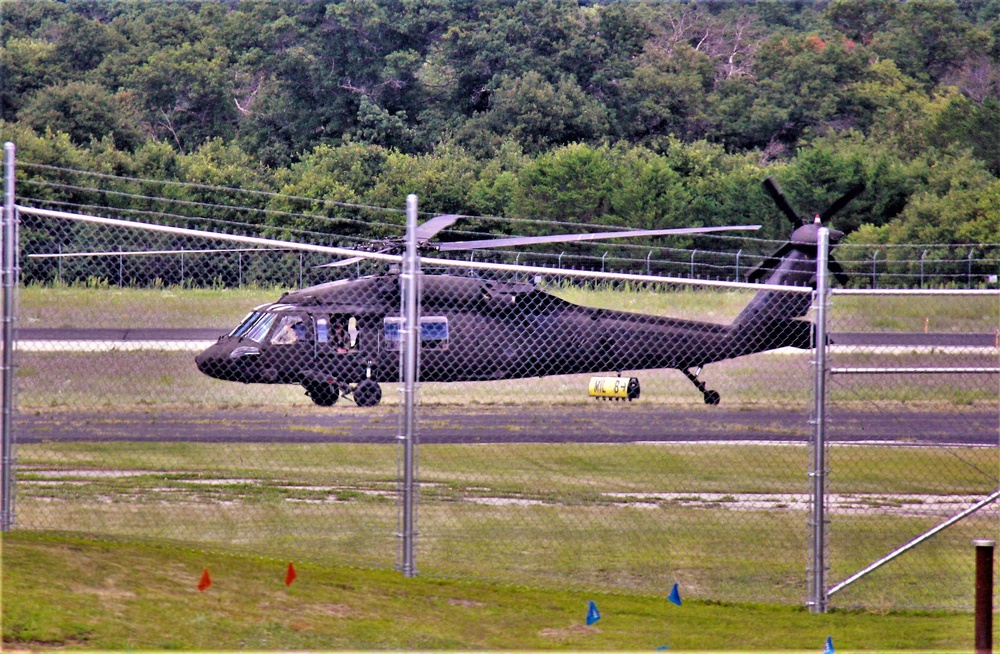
(569, 632)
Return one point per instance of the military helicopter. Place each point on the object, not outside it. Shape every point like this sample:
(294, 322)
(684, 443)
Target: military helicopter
(343, 337)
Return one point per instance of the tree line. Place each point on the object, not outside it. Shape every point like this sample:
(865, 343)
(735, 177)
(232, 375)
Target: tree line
(639, 114)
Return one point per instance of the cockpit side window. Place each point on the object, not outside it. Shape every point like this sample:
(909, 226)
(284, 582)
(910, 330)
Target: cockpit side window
(258, 330)
(291, 329)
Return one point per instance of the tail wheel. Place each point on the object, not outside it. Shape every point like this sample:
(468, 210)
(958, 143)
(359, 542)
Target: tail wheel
(367, 393)
(322, 393)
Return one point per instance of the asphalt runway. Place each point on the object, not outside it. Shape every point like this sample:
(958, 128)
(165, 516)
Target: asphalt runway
(602, 422)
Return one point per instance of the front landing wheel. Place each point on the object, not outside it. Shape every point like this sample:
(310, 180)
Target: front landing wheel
(322, 393)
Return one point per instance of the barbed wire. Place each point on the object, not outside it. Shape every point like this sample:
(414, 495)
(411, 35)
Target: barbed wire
(273, 194)
(338, 220)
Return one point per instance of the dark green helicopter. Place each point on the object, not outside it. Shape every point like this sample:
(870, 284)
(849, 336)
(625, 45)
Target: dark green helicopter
(343, 337)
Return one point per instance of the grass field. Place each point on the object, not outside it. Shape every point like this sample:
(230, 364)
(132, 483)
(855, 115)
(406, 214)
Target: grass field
(104, 306)
(624, 516)
(62, 592)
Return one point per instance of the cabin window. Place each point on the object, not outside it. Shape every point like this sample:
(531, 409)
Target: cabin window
(391, 333)
(291, 329)
(352, 332)
(433, 333)
(341, 333)
(337, 332)
(322, 330)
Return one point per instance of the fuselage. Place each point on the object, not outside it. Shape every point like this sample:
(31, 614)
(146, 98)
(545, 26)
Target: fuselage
(473, 329)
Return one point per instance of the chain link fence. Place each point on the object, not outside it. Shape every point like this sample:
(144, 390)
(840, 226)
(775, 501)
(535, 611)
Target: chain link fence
(914, 429)
(190, 393)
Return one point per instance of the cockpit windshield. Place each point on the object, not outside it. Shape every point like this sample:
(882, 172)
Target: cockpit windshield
(245, 324)
(254, 327)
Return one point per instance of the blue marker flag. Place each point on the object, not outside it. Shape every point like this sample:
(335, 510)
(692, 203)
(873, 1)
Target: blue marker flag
(675, 595)
(829, 645)
(593, 615)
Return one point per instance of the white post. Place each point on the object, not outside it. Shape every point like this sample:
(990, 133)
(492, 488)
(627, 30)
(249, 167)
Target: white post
(9, 274)
(817, 521)
(409, 370)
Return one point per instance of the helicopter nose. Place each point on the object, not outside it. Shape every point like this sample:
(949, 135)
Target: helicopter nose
(213, 362)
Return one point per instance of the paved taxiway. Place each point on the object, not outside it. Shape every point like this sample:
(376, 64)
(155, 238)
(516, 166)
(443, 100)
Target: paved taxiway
(598, 423)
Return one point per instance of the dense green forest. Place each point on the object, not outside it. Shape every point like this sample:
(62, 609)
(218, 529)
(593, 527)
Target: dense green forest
(557, 114)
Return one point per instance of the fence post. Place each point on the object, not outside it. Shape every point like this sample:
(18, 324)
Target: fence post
(984, 596)
(817, 576)
(410, 370)
(9, 273)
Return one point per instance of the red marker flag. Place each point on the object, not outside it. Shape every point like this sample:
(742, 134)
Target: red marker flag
(290, 575)
(206, 581)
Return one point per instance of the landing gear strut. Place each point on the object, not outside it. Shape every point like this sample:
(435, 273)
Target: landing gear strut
(711, 397)
(367, 393)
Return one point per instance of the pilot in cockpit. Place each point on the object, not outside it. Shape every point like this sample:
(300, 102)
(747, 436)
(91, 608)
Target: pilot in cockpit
(291, 330)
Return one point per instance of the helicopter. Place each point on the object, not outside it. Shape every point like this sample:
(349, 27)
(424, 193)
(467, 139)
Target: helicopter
(343, 337)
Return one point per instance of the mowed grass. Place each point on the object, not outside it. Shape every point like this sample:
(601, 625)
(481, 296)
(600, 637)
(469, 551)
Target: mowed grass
(64, 592)
(587, 515)
(109, 307)
(102, 306)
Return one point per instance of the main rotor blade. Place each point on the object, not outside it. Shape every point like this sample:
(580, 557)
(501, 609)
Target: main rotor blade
(572, 238)
(343, 262)
(842, 201)
(430, 228)
(774, 191)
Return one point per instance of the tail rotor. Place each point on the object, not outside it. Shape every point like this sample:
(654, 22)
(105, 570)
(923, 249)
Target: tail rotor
(805, 236)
